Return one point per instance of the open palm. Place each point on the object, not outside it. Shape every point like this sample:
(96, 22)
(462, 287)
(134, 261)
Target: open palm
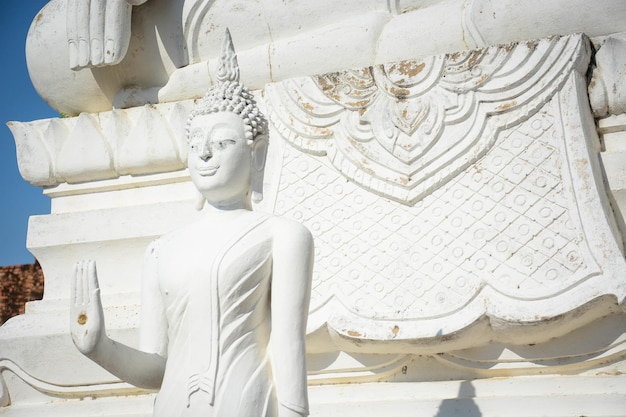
(86, 316)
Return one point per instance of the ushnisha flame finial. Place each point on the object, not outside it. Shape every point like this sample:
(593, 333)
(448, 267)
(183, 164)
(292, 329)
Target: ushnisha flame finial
(228, 94)
(228, 69)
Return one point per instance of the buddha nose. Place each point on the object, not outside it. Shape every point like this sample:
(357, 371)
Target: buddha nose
(205, 151)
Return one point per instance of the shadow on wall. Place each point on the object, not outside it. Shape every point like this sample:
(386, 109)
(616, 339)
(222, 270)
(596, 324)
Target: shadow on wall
(463, 405)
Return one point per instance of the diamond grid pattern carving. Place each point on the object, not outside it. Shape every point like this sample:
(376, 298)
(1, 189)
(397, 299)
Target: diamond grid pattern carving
(505, 222)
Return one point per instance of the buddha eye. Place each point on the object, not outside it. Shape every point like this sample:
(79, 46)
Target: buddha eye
(194, 146)
(195, 141)
(220, 145)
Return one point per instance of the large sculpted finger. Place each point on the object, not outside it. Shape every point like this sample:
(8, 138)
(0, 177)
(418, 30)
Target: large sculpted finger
(96, 31)
(136, 2)
(116, 30)
(82, 31)
(72, 31)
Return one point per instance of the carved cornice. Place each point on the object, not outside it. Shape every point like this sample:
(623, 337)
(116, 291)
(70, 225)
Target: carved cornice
(143, 140)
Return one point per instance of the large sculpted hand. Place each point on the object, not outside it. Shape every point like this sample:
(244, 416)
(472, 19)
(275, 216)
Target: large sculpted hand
(98, 31)
(86, 316)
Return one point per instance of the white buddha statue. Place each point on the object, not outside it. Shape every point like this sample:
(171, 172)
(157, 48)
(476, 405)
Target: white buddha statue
(224, 300)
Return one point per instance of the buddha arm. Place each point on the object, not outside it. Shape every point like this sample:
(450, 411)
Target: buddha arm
(142, 368)
(291, 289)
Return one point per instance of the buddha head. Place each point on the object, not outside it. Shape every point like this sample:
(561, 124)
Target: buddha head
(227, 138)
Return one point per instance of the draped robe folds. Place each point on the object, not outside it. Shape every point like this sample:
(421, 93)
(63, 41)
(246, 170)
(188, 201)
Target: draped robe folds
(215, 321)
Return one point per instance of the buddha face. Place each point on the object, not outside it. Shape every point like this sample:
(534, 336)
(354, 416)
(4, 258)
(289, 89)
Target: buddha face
(220, 158)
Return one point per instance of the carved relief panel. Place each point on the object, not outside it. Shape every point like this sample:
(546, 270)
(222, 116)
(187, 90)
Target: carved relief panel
(447, 189)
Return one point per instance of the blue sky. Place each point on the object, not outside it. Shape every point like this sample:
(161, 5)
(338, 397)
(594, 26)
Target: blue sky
(19, 101)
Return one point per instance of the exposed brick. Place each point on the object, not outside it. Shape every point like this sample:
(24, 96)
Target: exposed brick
(18, 285)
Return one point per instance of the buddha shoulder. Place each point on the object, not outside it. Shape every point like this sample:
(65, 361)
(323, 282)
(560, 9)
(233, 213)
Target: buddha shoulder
(287, 232)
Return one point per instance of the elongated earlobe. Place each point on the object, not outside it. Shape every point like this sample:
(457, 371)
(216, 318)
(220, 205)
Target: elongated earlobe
(259, 154)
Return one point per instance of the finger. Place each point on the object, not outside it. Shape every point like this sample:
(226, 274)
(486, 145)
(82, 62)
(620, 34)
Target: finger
(72, 36)
(116, 30)
(80, 299)
(96, 30)
(93, 278)
(136, 2)
(85, 281)
(82, 31)
(73, 294)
